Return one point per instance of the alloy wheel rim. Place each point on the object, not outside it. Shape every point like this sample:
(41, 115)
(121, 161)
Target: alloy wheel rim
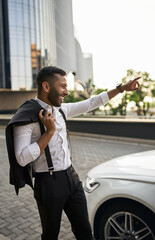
(127, 226)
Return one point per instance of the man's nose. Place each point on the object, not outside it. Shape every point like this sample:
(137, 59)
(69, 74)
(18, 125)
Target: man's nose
(66, 92)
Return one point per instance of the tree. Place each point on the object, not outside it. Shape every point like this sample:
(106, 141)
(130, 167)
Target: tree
(99, 90)
(147, 88)
(89, 87)
(71, 98)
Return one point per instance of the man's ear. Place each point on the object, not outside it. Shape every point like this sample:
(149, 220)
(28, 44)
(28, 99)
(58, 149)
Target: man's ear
(45, 86)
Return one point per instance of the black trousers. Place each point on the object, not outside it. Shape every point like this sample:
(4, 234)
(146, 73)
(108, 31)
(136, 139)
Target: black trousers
(61, 191)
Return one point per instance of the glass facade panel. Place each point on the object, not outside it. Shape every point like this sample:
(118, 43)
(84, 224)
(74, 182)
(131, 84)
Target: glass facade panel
(28, 68)
(21, 67)
(19, 16)
(19, 1)
(27, 47)
(12, 14)
(15, 82)
(26, 17)
(14, 67)
(14, 48)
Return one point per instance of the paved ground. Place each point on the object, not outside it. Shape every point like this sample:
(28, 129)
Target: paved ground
(19, 217)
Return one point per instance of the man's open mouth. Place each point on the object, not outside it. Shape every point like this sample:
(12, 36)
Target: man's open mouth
(62, 98)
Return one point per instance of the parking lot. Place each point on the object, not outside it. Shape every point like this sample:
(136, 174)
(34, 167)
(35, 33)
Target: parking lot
(19, 217)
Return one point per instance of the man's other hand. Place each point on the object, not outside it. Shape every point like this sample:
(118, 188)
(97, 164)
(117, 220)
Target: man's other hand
(48, 121)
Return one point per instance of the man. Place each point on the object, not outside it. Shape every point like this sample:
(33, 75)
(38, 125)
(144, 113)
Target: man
(57, 187)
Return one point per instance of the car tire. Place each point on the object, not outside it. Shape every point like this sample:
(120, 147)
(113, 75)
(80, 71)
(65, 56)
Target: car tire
(127, 221)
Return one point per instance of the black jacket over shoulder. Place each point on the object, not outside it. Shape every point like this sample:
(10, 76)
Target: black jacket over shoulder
(26, 114)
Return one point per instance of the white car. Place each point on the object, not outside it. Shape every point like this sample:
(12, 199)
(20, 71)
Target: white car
(121, 197)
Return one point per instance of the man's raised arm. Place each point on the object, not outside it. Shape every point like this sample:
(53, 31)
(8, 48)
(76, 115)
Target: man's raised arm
(129, 86)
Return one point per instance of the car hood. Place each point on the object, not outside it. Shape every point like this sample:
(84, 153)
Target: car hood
(138, 166)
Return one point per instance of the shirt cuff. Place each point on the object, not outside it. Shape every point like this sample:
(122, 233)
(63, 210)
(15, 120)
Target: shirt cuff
(34, 150)
(105, 97)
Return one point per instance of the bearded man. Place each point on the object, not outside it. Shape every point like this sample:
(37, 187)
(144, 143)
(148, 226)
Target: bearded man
(37, 146)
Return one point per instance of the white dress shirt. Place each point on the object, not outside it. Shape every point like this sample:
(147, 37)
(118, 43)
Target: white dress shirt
(25, 137)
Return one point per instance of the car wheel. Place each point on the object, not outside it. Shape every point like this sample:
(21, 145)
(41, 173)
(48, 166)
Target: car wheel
(127, 221)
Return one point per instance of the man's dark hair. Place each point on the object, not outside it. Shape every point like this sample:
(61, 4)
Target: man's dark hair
(48, 74)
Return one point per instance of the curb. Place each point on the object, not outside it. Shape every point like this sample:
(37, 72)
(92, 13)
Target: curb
(114, 138)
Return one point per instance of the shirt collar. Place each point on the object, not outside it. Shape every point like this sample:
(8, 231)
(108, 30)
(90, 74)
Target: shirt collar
(46, 105)
(43, 104)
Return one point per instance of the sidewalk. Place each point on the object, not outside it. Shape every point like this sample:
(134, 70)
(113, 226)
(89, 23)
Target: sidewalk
(19, 219)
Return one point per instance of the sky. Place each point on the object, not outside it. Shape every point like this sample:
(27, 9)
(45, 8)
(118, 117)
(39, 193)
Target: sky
(120, 34)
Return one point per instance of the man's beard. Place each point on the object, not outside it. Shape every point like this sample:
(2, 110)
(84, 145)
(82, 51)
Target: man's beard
(53, 97)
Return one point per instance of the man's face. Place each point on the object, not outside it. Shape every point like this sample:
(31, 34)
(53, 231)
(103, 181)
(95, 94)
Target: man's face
(58, 90)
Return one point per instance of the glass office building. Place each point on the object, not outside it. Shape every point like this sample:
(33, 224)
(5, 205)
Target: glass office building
(27, 40)
(33, 34)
